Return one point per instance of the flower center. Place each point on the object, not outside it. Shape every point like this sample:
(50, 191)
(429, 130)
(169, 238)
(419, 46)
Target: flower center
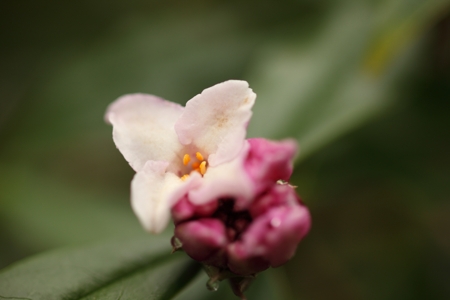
(199, 165)
(236, 222)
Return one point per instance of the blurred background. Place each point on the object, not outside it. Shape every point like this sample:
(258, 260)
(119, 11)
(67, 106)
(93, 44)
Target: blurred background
(363, 85)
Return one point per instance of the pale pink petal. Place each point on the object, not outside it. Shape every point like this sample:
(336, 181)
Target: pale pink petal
(215, 121)
(154, 191)
(228, 180)
(143, 128)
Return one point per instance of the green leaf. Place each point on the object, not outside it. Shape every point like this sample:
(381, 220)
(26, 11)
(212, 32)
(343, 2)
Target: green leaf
(126, 269)
(322, 88)
(42, 211)
(270, 284)
(135, 269)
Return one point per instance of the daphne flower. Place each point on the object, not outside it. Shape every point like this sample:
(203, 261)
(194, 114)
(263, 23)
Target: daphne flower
(177, 150)
(229, 198)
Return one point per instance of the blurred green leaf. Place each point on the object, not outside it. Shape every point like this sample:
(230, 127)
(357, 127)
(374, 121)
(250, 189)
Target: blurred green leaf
(320, 89)
(43, 211)
(140, 268)
(267, 285)
(122, 269)
(71, 96)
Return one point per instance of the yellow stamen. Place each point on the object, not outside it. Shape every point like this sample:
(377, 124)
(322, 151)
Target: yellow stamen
(195, 165)
(186, 159)
(203, 167)
(199, 156)
(185, 177)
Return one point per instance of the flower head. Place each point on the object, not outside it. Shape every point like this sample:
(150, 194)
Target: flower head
(229, 198)
(176, 151)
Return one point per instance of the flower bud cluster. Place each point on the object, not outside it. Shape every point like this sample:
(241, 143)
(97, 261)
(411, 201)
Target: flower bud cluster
(247, 237)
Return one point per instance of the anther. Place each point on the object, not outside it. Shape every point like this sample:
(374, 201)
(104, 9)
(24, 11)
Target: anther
(203, 167)
(185, 177)
(186, 159)
(199, 156)
(195, 165)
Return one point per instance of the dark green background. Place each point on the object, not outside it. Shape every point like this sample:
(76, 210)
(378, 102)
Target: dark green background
(364, 86)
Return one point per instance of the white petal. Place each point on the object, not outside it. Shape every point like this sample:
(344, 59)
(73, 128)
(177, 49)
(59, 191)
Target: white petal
(216, 120)
(227, 180)
(154, 191)
(144, 128)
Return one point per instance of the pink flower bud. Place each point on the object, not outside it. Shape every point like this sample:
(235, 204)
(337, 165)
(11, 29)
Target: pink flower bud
(206, 209)
(242, 262)
(269, 161)
(182, 210)
(243, 238)
(272, 237)
(202, 238)
(278, 195)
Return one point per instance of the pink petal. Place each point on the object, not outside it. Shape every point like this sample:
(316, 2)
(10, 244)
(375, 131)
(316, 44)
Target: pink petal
(273, 236)
(215, 121)
(184, 210)
(201, 238)
(154, 191)
(269, 161)
(289, 226)
(278, 195)
(242, 262)
(143, 128)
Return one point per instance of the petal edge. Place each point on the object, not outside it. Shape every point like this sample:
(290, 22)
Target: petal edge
(143, 128)
(215, 121)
